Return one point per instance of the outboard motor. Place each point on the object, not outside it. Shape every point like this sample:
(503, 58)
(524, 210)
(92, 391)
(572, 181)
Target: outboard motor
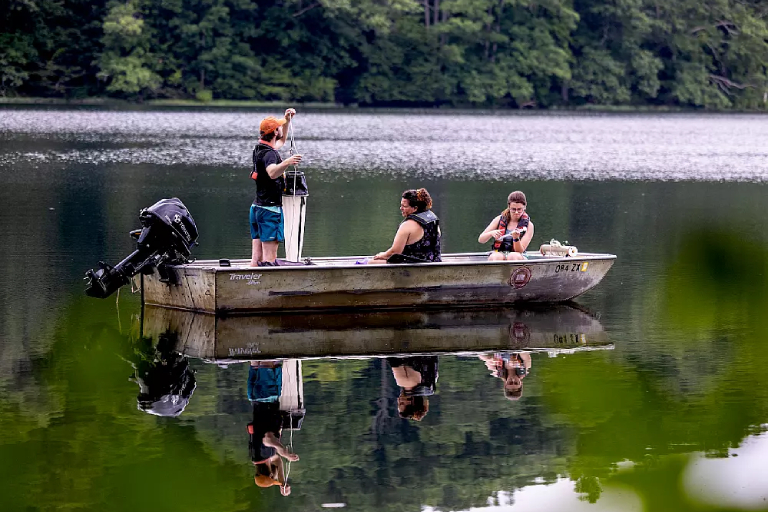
(167, 236)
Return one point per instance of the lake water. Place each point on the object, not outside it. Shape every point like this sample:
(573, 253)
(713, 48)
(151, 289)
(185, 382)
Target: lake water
(668, 412)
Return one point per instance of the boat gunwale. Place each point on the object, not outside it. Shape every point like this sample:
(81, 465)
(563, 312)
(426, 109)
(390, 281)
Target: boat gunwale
(458, 353)
(212, 264)
(225, 312)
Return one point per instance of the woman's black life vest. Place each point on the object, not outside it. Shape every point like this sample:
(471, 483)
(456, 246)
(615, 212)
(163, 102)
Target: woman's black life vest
(428, 248)
(427, 368)
(506, 245)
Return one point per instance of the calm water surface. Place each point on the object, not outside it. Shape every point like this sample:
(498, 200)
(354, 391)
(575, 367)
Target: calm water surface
(662, 406)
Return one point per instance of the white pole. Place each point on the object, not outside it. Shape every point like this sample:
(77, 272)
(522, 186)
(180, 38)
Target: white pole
(295, 211)
(292, 394)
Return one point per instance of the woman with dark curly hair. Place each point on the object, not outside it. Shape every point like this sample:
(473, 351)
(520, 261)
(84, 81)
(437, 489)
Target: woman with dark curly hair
(418, 238)
(417, 378)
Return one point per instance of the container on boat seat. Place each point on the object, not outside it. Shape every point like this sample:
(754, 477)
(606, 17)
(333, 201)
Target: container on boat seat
(558, 250)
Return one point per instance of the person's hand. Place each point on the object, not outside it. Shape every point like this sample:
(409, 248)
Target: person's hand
(497, 234)
(293, 160)
(291, 456)
(289, 113)
(380, 256)
(285, 490)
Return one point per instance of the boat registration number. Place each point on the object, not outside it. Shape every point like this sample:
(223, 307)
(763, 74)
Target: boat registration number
(572, 267)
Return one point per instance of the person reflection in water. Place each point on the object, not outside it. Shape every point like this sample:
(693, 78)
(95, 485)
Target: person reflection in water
(510, 367)
(417, 377)
(267, 450)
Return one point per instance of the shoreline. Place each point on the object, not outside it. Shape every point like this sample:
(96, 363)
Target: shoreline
(223, 105)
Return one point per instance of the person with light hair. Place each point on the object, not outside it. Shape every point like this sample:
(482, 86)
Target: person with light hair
(512, 230)
(266, 216)
(264, 443)
(511, 368)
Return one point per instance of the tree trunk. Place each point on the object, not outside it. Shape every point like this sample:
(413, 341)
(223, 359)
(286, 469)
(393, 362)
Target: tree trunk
(202, 70)
(443, 19)
(488, 42)
(495, 46)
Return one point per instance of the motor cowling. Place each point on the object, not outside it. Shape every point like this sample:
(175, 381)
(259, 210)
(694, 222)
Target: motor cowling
(168, 226)
(167, 236)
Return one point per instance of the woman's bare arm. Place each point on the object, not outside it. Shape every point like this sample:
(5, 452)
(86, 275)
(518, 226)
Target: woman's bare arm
(522, 245)
(402, 236)
(492, 231)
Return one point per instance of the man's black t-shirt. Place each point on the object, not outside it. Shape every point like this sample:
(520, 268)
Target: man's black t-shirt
(266, 418)
(269, 192)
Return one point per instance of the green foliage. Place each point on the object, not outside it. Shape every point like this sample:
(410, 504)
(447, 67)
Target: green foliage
(125, 60)
(16, 51)
(505, 53)
(204, 96)
(599, 78)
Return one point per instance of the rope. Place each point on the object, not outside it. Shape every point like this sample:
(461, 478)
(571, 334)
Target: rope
(117, 306)
(292, 151)
(288, 462)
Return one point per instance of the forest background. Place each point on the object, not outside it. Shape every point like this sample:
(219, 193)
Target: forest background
(417, 53)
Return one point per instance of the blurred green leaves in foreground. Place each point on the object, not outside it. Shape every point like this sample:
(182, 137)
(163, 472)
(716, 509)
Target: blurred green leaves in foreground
(698, 385)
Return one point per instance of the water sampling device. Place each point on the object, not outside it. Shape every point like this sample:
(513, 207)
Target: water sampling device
(294, 208)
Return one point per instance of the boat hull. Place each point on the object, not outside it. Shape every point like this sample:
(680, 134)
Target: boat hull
(461, 280)
(551, 328)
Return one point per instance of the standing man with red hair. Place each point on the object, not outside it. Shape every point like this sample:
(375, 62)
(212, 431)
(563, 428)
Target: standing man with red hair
(267, 221)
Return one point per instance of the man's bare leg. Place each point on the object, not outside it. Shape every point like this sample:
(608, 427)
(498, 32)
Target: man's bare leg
(256, 252)
(269, 251)
(273, 442)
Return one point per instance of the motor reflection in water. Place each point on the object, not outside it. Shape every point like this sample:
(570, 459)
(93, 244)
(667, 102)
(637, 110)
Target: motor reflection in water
(166, 382)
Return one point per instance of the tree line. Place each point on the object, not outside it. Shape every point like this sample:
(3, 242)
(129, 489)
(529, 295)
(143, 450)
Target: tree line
(474, 53)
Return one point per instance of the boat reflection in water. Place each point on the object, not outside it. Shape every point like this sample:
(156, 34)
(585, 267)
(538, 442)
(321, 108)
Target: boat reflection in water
(407, 345)
(560, 327)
